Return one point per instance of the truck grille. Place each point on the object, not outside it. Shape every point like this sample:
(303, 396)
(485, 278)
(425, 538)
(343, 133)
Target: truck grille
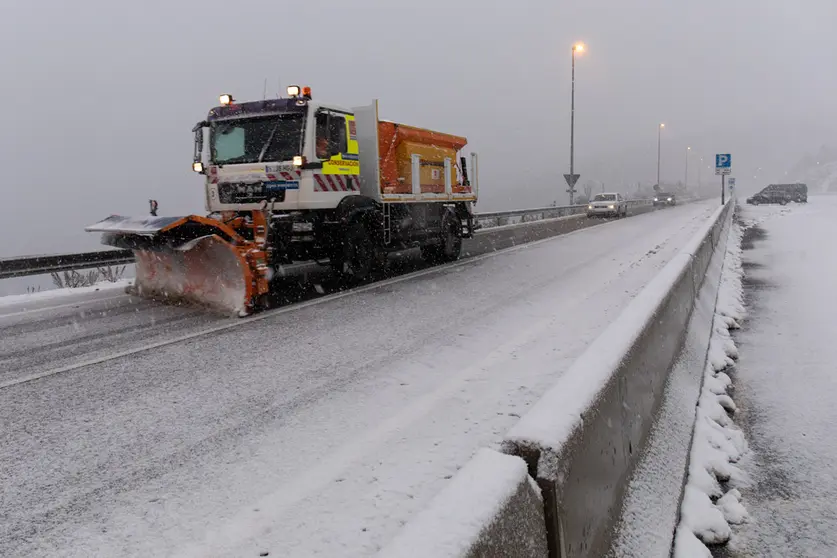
(239, 192)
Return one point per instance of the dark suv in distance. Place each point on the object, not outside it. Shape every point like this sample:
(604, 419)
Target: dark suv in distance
(798, 191)
(781, 194)
(662, 198)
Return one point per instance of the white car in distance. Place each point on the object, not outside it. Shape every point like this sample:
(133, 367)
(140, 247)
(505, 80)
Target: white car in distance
(607, 205)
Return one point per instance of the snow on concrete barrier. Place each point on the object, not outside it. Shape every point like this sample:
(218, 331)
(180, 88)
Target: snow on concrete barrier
(492, 507)
(582, 440)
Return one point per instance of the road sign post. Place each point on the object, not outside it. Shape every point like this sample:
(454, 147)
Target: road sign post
(723, 167)
(571, 181)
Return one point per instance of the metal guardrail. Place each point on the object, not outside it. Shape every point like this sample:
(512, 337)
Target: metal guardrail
(38, 265)
(513, 217)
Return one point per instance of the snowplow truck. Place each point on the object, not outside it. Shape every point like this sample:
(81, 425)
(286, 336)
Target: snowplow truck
(291, 180)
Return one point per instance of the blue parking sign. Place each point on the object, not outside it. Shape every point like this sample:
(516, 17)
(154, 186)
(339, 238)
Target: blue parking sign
(723, 163)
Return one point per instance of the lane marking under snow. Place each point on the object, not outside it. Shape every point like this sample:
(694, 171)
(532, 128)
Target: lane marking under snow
(60, 306)
(268, 314)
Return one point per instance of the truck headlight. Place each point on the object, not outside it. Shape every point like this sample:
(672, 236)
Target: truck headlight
(197, 166)
(299, 160)
(611, 206)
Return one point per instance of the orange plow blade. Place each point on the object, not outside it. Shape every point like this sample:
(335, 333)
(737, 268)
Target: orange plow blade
(207, 271)
(192, 259)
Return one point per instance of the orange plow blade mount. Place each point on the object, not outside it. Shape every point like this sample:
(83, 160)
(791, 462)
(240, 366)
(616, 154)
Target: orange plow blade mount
(193, 260)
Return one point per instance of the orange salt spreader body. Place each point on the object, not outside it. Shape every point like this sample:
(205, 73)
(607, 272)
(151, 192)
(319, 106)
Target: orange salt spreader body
(398, 142)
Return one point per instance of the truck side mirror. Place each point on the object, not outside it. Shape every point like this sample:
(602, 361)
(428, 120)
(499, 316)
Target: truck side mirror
(197, 164)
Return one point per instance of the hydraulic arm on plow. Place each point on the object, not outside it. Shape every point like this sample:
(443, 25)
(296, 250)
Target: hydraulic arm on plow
(292, 180)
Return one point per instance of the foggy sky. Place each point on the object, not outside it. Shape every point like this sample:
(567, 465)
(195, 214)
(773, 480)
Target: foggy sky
(101, 96)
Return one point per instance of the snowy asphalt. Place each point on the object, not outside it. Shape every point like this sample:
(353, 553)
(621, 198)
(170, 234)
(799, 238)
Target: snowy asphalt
(318, 429)
(786, 382)
(48, 333)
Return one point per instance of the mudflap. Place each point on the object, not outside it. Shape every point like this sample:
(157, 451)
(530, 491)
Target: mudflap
(207, 272)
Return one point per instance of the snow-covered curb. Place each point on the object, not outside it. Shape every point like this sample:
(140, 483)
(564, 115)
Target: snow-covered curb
(491, 507)
(10, 300)
(706, 511)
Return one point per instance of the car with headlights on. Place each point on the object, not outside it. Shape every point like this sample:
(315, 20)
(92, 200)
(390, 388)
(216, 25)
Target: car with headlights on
(664, 199)
(607, 205)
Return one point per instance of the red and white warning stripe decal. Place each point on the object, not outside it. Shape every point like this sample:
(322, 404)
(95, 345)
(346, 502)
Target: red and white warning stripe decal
(292, 176)
(334, 183)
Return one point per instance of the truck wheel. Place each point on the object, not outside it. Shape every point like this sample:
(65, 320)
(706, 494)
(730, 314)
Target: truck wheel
(358, 256)
(449, 248)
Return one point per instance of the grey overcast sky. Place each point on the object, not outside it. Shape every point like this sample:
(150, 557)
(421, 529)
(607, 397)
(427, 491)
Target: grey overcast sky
(101, 95)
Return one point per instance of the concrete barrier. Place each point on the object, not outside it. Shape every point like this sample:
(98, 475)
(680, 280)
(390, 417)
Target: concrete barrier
(579, 443)
(491, 508)
(582, 440)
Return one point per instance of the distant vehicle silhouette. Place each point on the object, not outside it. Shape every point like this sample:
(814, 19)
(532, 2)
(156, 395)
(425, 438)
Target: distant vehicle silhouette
(781, 194)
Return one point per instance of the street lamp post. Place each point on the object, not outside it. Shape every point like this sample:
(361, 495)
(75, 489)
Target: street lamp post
(686, 178)
(659, 135)
(578, 47)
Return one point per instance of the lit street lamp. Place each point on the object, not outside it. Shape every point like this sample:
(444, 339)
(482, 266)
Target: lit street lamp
(659, 134)
(578, 47)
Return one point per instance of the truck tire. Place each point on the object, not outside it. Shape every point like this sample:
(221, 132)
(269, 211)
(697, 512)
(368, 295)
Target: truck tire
(449, 247)
(357, 261)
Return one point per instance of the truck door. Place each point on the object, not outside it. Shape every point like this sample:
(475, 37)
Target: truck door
(333, 148)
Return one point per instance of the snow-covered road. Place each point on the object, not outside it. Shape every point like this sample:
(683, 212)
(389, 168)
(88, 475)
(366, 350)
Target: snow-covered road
(314, 431)
(786, 381)
(59, 329)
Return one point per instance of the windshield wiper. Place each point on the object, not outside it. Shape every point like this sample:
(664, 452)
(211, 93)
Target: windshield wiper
(269, 141)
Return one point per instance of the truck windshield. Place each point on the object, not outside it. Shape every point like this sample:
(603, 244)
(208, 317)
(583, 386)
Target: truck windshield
(254, 140)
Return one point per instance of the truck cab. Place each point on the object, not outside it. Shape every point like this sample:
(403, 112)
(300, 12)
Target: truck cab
(296, 156)
(316, 168)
